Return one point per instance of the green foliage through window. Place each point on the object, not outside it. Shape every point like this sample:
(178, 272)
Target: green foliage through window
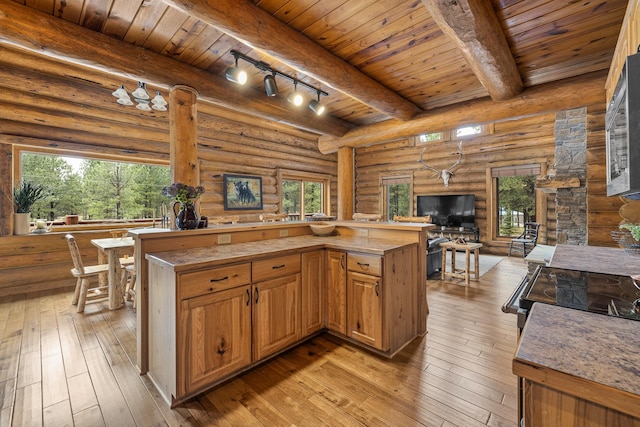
(97, 189)
(302, 197)
(516, 203)
(397, 200)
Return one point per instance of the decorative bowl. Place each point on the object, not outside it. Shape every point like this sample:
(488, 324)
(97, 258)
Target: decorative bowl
(321, 229)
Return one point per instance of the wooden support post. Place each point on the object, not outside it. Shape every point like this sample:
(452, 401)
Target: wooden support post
(345, 183)
(6, 189)
(183, 126)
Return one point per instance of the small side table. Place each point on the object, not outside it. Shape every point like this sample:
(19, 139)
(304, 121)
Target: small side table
(460, 273)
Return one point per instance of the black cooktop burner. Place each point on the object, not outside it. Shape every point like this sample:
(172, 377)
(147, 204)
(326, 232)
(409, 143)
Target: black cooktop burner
(595, 292)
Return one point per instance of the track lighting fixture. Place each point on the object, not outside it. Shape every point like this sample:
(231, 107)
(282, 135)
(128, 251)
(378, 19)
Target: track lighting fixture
(270, 86)
(316, 107)
(141, 96)
(235, 74)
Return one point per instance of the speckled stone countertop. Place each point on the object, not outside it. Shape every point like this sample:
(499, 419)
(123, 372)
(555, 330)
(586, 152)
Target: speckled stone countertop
(188, 259)
(596, 259)
(591, 349)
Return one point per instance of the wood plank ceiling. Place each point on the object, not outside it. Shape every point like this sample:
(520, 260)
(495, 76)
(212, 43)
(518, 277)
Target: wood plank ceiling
(378, 60)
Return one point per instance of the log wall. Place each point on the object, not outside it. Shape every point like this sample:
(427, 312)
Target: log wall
(511, 141)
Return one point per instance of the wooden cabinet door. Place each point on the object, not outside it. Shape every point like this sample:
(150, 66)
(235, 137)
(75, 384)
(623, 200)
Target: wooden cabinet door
(276, 315)
(364, 302)
(337, 291)
(313, 292)
(217, 337)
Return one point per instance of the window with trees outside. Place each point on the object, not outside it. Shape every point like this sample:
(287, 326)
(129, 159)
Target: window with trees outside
(303, 194)
(94, 189)
(397, 196)
(515, 198)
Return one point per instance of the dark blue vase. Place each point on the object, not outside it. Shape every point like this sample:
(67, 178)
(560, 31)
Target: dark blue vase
(187, 217)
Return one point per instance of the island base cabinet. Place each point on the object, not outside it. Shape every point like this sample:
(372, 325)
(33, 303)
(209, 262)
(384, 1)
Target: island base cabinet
(217, 337)
(364, 302)
(547, 407)
(276, 315)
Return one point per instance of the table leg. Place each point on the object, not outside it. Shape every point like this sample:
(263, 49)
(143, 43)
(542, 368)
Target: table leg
(453, 260)
(476, 253)
(444, 263)
(116, 296)
(467, 266)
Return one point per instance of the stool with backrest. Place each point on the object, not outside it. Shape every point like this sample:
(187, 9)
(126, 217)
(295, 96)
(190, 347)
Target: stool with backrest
(84, 274)
(527, 240)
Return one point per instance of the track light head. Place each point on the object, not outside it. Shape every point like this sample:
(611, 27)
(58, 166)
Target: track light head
(235, 74)
(316, 107)
(295, 97)
(270, 85)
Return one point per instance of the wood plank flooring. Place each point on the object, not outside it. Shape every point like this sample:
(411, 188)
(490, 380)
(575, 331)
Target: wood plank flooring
(61, 368)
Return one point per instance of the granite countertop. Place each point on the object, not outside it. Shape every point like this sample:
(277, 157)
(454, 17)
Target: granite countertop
(596, 259)
(589, 355)
(188, 259)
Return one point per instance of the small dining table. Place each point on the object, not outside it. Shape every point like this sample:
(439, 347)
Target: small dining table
(110, 246)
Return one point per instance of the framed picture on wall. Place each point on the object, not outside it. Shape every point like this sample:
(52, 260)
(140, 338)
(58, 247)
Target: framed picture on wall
(242, 192)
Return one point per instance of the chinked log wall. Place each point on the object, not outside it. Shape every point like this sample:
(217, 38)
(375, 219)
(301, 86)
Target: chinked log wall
(511, 141)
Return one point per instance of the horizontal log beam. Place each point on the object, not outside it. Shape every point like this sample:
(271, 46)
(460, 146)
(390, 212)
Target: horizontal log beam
(473, 26)
(25, 28)
(258, 29)
(565, 94)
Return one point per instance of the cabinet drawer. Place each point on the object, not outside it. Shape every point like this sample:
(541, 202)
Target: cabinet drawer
(275, 267)
(366, 264)
(213, 280)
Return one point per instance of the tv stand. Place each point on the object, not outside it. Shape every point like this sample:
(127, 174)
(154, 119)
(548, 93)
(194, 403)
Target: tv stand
(471, 234)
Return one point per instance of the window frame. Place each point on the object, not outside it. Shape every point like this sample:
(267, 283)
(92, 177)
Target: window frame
(294, 175)
(17, 169)
(383, 193)
(492, 196)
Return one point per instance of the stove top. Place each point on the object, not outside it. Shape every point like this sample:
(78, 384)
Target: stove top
(595, 292)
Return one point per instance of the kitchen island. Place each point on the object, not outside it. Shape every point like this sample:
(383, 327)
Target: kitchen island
(214, 310)
(579, 368)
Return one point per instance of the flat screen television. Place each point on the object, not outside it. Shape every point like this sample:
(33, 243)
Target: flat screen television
(450, 210)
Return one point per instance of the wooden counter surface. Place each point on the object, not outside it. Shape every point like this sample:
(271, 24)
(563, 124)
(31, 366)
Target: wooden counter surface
(204, 257)
(596, 259)
(587, 355)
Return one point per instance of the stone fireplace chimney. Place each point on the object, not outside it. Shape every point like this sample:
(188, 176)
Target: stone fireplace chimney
(571, 163)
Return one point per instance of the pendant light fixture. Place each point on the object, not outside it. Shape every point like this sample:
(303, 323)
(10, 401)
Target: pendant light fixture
(234, 74)
(141, 96)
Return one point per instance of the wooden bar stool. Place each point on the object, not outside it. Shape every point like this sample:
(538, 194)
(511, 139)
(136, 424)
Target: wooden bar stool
(461, 273)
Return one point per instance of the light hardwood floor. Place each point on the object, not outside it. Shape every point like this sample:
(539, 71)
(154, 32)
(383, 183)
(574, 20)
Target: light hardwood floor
(58, 367)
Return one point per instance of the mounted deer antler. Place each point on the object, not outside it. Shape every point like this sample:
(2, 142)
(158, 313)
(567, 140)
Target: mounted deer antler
(446, 173)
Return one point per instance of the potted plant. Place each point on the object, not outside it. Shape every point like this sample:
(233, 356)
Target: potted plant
(630, 239)
(24, 197)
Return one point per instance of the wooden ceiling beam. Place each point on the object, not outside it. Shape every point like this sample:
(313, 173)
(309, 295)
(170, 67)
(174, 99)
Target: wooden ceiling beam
(473, 26)
(576, 92)
(259, 30)
(25, 28)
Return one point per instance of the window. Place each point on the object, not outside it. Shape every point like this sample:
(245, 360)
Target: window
(94, 189)
(397, 196)
(430, 137)
(515, 201)
(303, 193)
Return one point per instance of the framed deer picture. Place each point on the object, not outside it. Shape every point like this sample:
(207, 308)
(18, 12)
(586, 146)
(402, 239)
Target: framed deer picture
(242, 192)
